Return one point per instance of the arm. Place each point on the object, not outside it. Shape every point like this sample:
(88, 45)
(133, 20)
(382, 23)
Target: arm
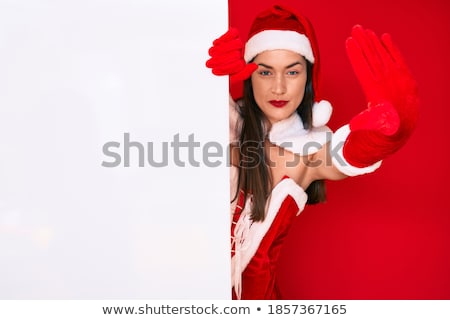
(227, 58)
(391, 114)
(323, 167)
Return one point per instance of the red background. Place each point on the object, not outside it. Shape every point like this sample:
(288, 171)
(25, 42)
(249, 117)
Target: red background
(385, 235)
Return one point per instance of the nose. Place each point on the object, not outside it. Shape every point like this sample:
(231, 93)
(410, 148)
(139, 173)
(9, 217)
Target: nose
(279, 85)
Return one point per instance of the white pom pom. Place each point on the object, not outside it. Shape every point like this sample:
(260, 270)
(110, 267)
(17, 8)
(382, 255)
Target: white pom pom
(321, 113)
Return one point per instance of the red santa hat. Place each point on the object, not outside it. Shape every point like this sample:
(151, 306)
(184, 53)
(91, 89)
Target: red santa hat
(281, 28)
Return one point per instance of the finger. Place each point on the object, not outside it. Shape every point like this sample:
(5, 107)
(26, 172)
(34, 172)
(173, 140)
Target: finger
(365, 40)
(394, 52)
(229, 68)
(231, 34)
(380, 49)
(360, 36)
(223, 60)
(408, 79)
(233, 45)
(380, 58)
(358, 60)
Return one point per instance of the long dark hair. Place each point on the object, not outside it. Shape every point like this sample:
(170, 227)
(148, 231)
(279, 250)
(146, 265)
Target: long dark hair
(254, 174)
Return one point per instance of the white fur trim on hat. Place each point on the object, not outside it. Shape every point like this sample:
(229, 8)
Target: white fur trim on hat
(278, 39)
(337, 147)
(321, 113)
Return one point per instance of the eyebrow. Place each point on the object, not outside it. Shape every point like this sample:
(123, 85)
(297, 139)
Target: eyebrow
(287, 67)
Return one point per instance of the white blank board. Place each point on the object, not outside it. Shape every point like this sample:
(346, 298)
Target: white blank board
(77, 77)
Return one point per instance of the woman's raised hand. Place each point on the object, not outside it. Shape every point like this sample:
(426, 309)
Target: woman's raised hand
(227, 57)
(392, 98)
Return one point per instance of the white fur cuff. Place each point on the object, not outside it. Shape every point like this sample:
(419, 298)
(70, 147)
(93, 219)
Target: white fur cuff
(337, 144)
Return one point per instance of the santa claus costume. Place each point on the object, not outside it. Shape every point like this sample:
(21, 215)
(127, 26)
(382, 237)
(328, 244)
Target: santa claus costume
(375, 133)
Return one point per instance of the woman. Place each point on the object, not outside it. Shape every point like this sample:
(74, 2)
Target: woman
(281, 149)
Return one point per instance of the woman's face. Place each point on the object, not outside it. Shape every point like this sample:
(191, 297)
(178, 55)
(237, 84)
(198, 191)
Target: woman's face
(279, 83)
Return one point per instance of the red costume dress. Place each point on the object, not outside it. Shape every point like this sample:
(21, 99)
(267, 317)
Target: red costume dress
(256, 246)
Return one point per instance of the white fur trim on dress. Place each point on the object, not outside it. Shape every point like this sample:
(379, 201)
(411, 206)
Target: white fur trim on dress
(278, 39)
(291, 135)
(248, 234)
(337, 144)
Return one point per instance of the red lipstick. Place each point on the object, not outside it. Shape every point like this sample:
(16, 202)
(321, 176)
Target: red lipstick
(278, 103)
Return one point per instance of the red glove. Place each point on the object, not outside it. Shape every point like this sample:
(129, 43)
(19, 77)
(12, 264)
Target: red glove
(227, 57)
(392, 98)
